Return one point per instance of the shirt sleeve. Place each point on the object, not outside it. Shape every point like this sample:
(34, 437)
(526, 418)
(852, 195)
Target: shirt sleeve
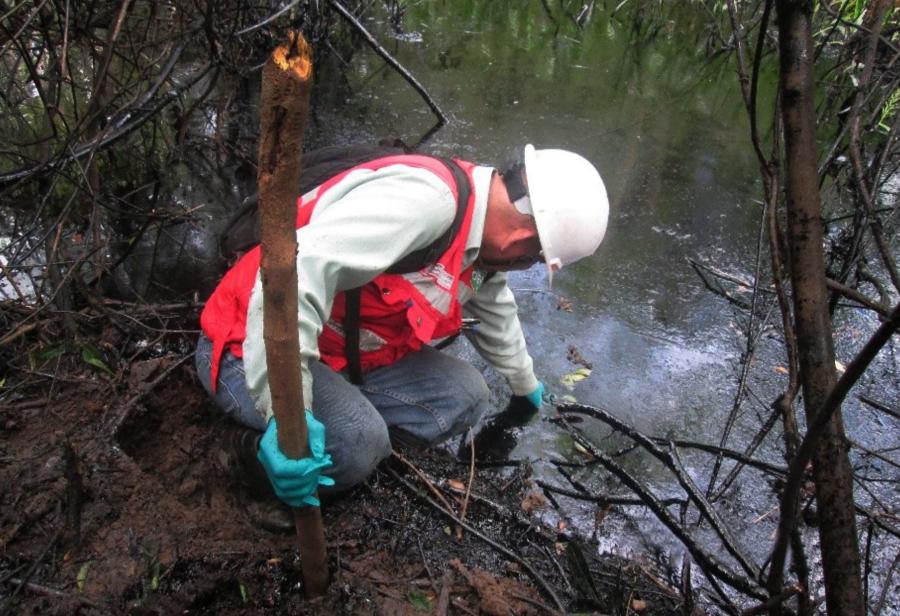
(360, 227)
(499, 338)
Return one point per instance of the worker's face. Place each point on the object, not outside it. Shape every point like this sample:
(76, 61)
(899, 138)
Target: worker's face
(517, 255)
(510, 238)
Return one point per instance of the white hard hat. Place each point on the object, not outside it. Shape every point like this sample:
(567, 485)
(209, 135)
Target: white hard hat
(569, 204)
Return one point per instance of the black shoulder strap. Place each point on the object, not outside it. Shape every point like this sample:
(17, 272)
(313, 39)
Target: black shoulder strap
(351, 335)
(428, 255)
(412, 262)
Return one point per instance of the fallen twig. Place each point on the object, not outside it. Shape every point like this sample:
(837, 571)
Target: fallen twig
(503, 550)
(766, 605)
(443, 603)
(387, 57)
(710, 565)
(674, 466)
(425, 478)
(465, 503)
(115, 422)
(21, 583)
(605, 499)
(40, 589)
(74, 492)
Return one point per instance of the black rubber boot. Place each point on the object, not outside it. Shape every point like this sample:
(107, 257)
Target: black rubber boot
(263, 507)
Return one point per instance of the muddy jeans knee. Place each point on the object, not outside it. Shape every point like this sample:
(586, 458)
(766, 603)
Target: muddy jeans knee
(356, 435)
(428, 396)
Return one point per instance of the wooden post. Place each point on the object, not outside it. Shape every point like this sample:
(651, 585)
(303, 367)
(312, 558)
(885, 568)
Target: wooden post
(284, 105)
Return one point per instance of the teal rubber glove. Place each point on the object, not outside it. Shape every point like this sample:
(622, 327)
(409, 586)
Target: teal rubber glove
(536, 398)
(296, 481)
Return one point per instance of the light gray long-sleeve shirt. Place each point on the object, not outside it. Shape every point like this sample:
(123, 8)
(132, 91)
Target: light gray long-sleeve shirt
(383, 215)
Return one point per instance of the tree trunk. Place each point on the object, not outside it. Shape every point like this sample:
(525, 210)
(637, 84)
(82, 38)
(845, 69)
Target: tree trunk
(286, 82)
(831, 464)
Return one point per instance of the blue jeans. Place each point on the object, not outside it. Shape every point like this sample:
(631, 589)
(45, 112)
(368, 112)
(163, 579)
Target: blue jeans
(427, 397)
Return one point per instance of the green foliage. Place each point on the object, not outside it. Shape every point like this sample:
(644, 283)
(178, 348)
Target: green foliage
(888, 111)
(41, 356)
(853, 10)
(419, 600)
(91, 355)
(86, 352)
(151, 582)
(82, 576)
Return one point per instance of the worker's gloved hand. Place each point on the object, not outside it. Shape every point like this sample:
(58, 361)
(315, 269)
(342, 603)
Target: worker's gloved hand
(296, 481)
(521, 409)
(536, 398)
(498, 435)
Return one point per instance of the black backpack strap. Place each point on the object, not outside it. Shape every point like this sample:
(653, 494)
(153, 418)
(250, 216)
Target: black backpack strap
(428, 255)
(412, 262)
(351, 335)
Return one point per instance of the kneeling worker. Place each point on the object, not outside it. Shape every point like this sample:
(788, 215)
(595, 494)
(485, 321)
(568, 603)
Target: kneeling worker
(392, 254)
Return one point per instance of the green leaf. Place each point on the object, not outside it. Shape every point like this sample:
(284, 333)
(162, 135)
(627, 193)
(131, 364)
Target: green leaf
(570, 379)
(419, 600)
(154, 580)
(570, 399)
(82, 576)
(91, 355)
(243, 591)
(48, 353)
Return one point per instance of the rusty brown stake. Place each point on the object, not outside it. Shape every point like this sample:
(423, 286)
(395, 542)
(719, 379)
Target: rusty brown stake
(286, 82)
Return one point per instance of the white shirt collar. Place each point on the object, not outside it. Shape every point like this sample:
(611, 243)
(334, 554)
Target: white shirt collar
(481, 180)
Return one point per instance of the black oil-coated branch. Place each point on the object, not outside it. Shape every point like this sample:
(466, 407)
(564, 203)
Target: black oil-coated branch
(500, 548)
(751, 448)
(881, 407)
(387, 57)
(604, 499)
(760, 465)
(268, 19)
(710, 565)
(683, 478)
(126, 121)
(746, 361)
(832, 403)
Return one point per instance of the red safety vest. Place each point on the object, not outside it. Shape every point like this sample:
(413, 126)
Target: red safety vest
(398, 312)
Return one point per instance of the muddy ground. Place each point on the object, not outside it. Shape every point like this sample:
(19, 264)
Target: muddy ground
(118, 498)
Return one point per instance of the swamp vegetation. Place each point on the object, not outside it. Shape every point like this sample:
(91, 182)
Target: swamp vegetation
(126, 122)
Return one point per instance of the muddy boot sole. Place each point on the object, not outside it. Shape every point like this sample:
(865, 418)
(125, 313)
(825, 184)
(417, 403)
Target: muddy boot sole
(272, 516)
(258, 498)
